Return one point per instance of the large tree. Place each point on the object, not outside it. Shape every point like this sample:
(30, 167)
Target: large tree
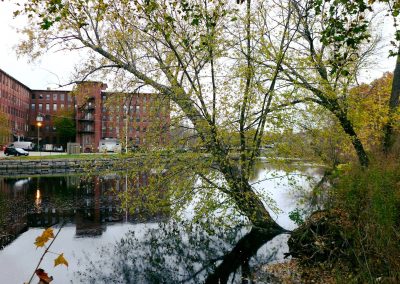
(197, 53)
(225, 66)
(320, 71)
(347, 27)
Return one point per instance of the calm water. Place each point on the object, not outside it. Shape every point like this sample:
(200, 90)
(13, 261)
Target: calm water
(104, 243)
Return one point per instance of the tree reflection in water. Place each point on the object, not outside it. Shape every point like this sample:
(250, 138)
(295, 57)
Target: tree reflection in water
(174, 253)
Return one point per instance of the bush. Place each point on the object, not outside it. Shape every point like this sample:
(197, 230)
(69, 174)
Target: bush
(357, 236)
(371, 198)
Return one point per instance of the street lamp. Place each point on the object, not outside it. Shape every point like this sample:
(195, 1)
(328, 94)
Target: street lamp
(39, 124)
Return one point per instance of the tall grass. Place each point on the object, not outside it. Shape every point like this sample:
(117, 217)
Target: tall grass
(371, 198)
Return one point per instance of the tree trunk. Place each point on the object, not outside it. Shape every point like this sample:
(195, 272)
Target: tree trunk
(389, 137)
(349, 130)
(247, 201)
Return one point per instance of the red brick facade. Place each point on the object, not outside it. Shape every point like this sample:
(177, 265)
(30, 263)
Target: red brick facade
(137, 118)
(48, 104)
(14, 103)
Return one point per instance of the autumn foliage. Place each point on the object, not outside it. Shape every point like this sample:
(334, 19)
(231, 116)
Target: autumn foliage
(40, 241)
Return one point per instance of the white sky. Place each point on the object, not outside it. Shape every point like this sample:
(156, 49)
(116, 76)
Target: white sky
(56, 68)
(51, 70)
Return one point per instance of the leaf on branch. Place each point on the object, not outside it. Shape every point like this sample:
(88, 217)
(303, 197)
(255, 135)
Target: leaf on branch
(40, 241)
(48, 233)
(43, 276)
(60, 260)
(44, 237)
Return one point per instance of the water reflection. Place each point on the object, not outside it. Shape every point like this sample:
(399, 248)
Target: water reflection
(175, 253)
(88, 202)
(152, 252)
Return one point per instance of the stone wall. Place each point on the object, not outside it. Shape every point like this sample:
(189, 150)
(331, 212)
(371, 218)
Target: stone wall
(30, 167)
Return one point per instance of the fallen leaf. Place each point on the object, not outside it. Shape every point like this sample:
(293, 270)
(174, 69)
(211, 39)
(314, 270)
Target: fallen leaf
(60, 260)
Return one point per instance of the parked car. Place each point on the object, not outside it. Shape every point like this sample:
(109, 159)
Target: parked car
(15, 151)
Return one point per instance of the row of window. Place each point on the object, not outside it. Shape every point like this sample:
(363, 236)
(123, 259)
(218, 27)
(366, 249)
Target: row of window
(117, 129)
(40, 107)
(135, 108)
(14, 112)
(12, 98)
(18, 126)
(55, 96)
(12, 83)
(46, 128)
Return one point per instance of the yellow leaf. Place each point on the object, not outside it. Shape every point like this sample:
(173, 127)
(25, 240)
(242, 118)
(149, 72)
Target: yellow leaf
(60, 260)
(48, 233)
(40, 241)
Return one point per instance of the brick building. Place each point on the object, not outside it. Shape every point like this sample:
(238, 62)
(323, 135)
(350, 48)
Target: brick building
(135, 118)
(14, 105)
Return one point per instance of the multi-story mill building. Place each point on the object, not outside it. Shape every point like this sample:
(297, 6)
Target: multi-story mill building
(135, 118)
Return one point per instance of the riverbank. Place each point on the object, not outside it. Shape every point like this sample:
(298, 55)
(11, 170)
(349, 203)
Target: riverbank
(57, 164)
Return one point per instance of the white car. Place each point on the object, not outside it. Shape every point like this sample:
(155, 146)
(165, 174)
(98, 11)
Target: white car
(22, 151)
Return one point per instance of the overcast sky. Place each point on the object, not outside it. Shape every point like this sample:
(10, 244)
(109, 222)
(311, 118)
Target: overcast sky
(55, 67)
(51, 70)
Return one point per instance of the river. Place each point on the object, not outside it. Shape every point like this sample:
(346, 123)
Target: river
(104, 242)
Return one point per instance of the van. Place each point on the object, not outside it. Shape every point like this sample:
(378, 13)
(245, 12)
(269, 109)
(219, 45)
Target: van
(48, 147)
(109, 145)
(23, 144)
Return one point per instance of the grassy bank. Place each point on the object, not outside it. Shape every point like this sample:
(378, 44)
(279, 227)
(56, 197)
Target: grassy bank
(357, 237)
(371, 199)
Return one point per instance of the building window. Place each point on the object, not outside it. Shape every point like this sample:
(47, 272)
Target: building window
(62, 97)
(47, 107)
(48, 97)
(33, 106)
(54, 97)
(62, 106)
(40, 107)
(137, 118)
(32, 96)
(137, 109)
(54, 107)
(40, 96)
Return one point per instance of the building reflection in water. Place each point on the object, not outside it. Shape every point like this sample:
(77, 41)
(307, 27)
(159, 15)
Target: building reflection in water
(88, 202)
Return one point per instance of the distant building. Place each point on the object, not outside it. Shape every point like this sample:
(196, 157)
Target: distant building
(135, 118)
(14, 102)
